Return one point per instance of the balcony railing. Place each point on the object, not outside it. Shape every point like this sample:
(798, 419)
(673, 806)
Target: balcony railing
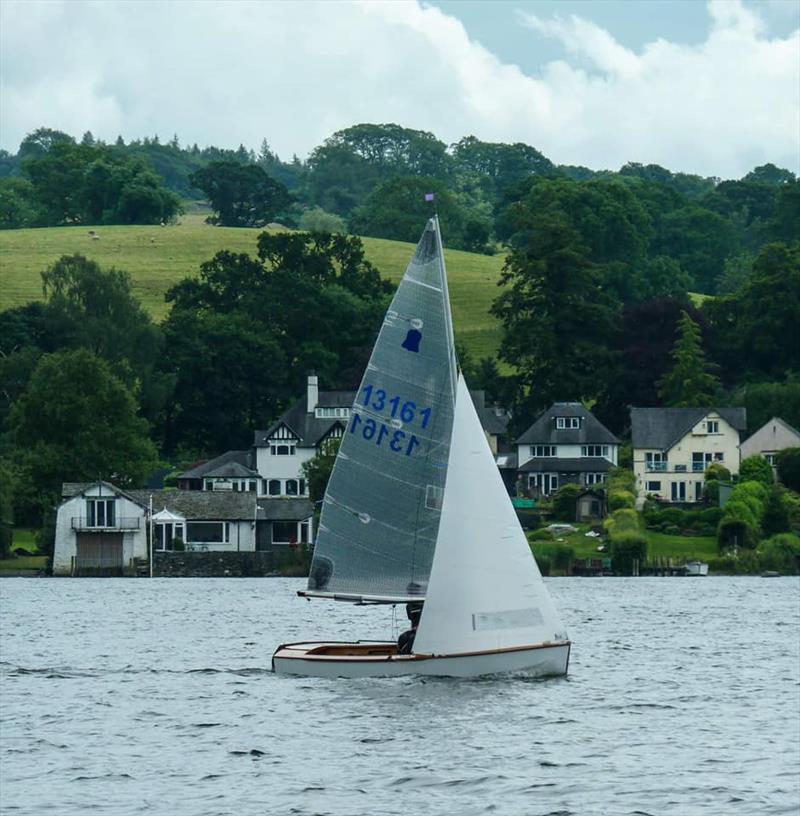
(699, 467)
(655, 467)
(121, 523)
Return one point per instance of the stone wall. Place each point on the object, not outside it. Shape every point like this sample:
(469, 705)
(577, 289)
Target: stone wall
(214, 564)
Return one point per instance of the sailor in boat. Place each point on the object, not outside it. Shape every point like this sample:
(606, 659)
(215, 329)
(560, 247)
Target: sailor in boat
(405, 643)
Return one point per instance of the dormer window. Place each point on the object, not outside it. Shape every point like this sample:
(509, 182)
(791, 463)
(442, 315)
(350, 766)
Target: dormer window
(568, 423)
(331, 413)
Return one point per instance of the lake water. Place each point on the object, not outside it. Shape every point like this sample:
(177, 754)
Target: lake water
(155, 697)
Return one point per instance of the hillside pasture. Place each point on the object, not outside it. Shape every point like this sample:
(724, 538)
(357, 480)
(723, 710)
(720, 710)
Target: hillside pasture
(158, 257)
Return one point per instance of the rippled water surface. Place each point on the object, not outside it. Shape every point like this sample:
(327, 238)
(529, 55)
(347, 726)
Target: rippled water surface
(155, 696)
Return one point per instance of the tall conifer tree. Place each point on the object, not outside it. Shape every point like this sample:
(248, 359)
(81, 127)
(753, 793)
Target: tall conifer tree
(690, 382)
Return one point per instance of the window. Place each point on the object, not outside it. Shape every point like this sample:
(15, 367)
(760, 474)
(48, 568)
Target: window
(712, 426)
(100, 512)
(655, 461)
(568, 423)
(594, 450)
(207, 532)
(302, 487)
(274, 487)
(322, 413)
(719, 457)
(282, 449)
(291, 487)
(653, 487)
(545, 483)
(678, 491)
(770, 457)
(595, 478)
(209, 484)
(251, 486)
(284, 532)
(544, 450)
(433, 497)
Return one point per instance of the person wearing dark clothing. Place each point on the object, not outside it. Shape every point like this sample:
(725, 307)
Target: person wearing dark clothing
(405, 643)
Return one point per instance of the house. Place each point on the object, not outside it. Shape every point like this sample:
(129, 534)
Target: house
(565, 444)
(672, 447)
(272, 467)
(101, 529)
(772, 437)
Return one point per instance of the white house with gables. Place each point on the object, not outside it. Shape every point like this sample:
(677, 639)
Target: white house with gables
(273, 466)
(566, 444)
(672, 447)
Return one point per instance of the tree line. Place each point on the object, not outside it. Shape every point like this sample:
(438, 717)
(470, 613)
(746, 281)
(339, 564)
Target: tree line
(700, 234)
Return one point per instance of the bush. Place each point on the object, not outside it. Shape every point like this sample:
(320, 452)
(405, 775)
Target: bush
(724, 565)
(711, 516)
(775, 518)
(711, 491)
(564, 502)
(559, 556)
(788, 465)
(618, 499)
(756, 469)
(674, 515)
(317, 220)
(780, 553)
(622, 520)
(718, 472)
(544, 563)
(626, 547)
(541, 535)
(671, 529)
(621, 479)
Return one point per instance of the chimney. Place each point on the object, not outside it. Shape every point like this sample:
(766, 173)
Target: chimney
(312, 392)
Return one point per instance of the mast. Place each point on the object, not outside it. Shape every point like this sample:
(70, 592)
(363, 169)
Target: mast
(448, 314)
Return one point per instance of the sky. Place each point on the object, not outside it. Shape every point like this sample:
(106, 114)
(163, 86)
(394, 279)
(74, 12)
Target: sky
(701, 87)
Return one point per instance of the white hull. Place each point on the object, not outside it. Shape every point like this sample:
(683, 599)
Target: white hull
(696, 568)
(380, 659)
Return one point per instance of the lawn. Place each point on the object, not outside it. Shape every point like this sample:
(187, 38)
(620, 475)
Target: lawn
(24, 538)
(158, 257)
(659, 545)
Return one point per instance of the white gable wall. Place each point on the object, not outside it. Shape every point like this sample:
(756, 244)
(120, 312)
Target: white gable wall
(71, 519)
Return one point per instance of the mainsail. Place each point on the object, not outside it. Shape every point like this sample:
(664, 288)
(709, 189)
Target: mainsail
(381, 512)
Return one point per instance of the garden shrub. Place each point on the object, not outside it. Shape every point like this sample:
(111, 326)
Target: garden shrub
(543, 561)
(788, 465)
(622, 520)
(711, 491)
(756, 469)
(621, 479)
(540, 535)
(724, 565)
(718, 472)
(626, 547)
(618, 499)
(564, 500)
(559, 556)
(781, 553)
(775, 518)
(671, 529)
(674, 515)
(711, 516)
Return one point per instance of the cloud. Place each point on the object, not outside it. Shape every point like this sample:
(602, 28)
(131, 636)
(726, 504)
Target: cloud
(224, 73)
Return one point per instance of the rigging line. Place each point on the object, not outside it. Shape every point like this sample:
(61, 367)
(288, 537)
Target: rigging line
(426, 285)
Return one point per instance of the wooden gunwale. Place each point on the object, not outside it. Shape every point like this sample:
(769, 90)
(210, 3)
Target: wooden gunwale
(321, 656)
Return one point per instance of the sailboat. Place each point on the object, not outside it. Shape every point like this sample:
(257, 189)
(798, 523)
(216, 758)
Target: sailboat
(416, 513)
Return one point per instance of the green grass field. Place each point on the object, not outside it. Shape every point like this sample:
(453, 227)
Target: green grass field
(158, 257)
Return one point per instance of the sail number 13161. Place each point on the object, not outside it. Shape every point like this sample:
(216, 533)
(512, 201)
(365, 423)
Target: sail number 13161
(376, 399)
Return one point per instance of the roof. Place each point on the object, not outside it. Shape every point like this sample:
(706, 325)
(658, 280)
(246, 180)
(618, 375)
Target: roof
(492, 422)
(583, 464)
(661, 428)
(544, 431)
(212, 505)
(311, 430)
(775, 420)
(71, 489)
(232, 464)
(506, 461)
(284, 509)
